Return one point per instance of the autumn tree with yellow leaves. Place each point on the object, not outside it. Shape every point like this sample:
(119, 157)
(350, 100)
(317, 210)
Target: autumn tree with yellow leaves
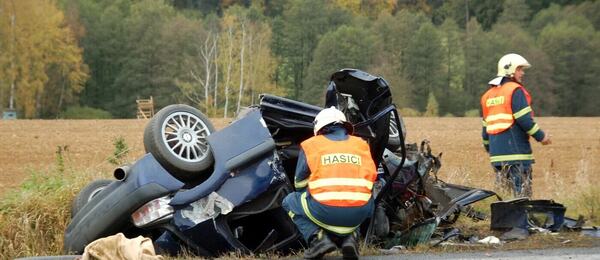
(41, 65)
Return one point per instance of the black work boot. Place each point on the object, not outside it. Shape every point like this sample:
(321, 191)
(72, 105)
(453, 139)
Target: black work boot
(350, 246)
(319, 245)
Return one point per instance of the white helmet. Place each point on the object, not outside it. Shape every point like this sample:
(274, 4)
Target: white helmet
(507, 65)
(329, 116)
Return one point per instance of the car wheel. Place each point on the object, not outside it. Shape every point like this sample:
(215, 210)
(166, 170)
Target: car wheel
(87, 193)
(394, 138)
(176, 137)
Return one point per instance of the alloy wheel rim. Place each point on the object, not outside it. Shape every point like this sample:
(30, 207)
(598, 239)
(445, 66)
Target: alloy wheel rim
(393, 127)
(184, 135)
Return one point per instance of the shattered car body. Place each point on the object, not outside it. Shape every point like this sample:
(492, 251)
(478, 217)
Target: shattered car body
(419, 202)
(233, 203)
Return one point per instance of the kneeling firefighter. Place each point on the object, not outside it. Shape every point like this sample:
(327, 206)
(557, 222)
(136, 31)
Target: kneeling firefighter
(339, 172)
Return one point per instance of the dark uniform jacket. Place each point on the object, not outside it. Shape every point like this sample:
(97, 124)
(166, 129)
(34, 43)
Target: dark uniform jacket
(512, 146)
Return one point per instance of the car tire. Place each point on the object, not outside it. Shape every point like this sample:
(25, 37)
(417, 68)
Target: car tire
(87, 193)
(176, 137)
(394, 134)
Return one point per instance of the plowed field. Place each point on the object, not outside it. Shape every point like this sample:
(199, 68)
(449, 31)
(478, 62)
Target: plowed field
(572, 161)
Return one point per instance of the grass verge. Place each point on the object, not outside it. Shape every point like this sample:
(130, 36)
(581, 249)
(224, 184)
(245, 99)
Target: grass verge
(34, 216)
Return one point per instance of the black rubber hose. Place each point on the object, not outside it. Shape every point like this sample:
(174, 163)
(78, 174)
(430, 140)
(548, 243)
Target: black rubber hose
(389, 182)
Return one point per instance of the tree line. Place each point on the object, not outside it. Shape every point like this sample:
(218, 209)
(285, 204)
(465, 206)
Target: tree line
(218, 55)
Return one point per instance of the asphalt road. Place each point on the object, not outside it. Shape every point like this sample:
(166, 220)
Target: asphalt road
(546, 254)
(589, 253)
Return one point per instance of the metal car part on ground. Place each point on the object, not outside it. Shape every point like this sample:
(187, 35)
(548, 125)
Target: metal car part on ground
(525, 214)
(453, 199)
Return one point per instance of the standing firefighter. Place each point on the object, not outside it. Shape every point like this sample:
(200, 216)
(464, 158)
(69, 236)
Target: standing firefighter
(339, 173)
(508, 124)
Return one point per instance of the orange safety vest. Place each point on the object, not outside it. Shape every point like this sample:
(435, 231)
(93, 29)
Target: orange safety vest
(342, 172)
(496, 104)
